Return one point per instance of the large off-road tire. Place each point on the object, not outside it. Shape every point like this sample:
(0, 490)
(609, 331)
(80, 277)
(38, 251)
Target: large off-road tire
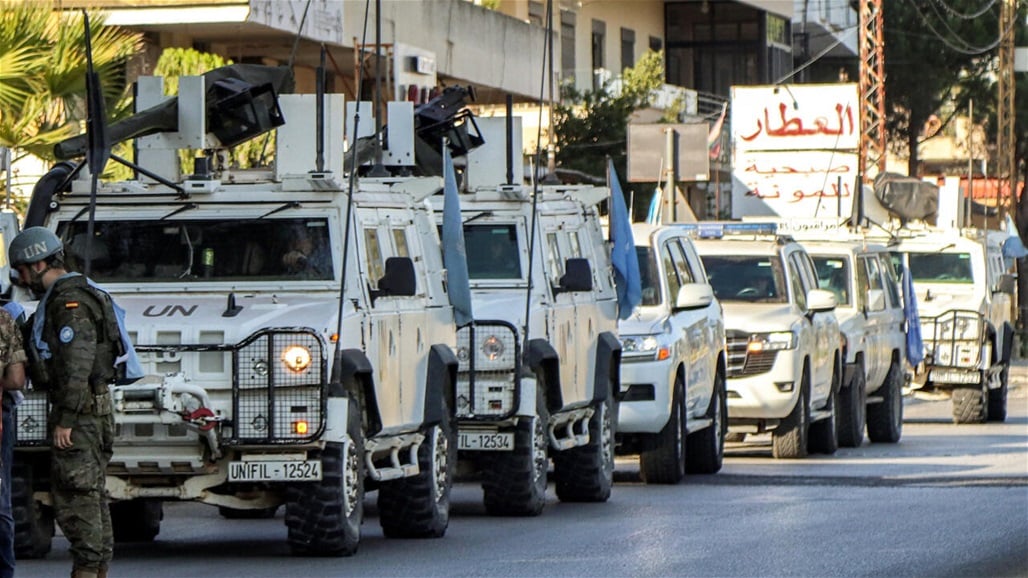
(665, 464)
(586, 473)
(789, 440)
(136, 520)
(850, 410)
(970, 404)
(998, 398)
(823, 438)
(33, 522)
(885, 419)
(324, 518)
(514, 483)
(705, 449)
(419, 506)
(254, 514)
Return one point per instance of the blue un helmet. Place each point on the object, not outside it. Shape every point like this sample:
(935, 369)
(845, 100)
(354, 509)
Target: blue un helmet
(33, 245)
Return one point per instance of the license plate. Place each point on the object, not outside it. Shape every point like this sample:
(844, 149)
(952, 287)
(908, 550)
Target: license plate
(955, 376)
(274, 471)
(486, 441)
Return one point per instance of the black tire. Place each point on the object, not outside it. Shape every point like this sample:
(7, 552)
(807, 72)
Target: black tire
(665, 464)
(254, 514)
(419, 506)
(136, 520)
(586, 473)
(705, 449)
(789, 440)
(33, 522)
(850, 410)
(997, 411)
(514, 483)
(885, 419)
(823, 438)
(324, 518)
(970, 404)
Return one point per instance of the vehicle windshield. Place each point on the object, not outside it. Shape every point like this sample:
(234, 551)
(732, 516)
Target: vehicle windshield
(650, 276)
(492, 251)
(941, 267)
(201, 250)
(833, 274)
(746, 278)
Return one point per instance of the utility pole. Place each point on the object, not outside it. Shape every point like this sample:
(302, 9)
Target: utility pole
(872, 89)
(1006, 159)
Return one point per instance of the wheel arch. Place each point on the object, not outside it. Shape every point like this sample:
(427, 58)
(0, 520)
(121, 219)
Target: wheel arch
(542, 358)
(352, 363)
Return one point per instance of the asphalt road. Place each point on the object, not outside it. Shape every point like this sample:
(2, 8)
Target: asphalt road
(946, 501)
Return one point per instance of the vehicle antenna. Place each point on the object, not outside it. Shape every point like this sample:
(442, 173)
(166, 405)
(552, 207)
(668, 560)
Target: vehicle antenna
(336, 366)
(547, 75)
(99, 150)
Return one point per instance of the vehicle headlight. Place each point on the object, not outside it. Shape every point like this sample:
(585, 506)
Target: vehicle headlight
(777, 341)
(645, 344)
(492, 348)
(296, 358)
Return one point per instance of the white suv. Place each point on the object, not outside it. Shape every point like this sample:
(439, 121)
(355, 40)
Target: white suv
(784, 354)
(673, 409)
(870, 313)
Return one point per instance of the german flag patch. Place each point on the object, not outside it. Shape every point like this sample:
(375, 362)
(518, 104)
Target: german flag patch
(71, 305)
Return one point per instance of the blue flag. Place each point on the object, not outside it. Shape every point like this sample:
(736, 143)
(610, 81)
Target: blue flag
(455, 255)
(622, 254)
(915, 345)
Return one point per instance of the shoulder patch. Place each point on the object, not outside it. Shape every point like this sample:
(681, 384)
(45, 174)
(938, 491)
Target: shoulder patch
(71, 305)
(66, 334)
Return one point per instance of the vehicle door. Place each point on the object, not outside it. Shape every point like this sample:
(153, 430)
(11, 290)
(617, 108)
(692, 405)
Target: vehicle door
(873, 308)
(565, 335)
(693, 332)
(394, 324)
(824, 326)
(999, 302)
(893, 331)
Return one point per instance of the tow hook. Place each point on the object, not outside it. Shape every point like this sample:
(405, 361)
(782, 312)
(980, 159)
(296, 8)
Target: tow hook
(203, 418)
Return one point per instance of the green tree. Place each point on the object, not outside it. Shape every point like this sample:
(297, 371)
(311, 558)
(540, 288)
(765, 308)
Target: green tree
(937, 59)
(43, 73)
(591, 125)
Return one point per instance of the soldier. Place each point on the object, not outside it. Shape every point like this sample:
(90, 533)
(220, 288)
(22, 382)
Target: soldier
(72, 354)
(12, 379)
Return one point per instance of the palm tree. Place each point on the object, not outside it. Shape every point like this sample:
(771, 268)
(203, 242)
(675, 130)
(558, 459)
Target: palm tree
(43, 73)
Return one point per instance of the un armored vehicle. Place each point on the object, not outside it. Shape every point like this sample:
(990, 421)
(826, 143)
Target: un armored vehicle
(296, 333)
(784, 358)
(539, 367)
(964, 296)
(673, 409)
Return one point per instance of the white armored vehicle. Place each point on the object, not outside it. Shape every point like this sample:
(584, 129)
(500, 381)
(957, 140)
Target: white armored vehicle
(297, 335)
(964, 299)
(539, 366)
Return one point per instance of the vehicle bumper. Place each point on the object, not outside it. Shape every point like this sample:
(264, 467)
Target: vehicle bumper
(645, 406)
(769, 395)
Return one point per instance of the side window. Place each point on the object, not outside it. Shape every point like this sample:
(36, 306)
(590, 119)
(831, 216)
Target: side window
(699, 275)
(681, 263)
(376, 266)
(891, 284)
(874, 276)
(796, 284)
(400, 242)
(575, 245)
(554, 264)
(670, 272)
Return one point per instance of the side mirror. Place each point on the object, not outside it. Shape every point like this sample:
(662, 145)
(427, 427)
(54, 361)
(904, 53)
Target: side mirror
(875, 300)
(1006, 284)
(578, 276)
(694, 296)
(398, 280)
(820, 300)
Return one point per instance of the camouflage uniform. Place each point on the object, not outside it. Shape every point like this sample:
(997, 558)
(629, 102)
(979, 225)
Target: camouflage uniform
(11, 352)
(80, 368)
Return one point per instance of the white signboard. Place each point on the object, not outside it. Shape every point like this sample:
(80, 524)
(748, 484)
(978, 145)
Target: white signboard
(794, 150)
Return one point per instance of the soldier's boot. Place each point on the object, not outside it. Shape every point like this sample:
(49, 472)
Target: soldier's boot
(101, 572)
(85, 573)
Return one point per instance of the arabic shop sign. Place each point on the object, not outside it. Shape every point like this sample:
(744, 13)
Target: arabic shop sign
(794, 150)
